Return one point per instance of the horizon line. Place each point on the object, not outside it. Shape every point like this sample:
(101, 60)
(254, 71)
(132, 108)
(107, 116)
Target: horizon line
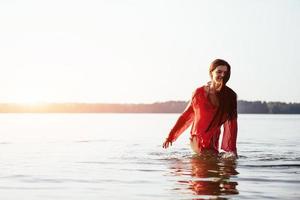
(89, 102)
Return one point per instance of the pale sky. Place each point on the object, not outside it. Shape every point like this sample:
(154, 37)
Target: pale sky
(140, 51)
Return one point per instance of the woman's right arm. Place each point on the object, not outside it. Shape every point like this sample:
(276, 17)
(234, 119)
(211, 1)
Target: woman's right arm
(183, 122)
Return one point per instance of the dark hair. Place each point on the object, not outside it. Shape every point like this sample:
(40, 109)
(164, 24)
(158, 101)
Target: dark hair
(227, 98)
(217, 63)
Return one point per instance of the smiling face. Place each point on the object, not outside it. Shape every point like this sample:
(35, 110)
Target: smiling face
(218, 74)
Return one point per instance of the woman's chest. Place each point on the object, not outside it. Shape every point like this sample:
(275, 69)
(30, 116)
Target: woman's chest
(203, 103)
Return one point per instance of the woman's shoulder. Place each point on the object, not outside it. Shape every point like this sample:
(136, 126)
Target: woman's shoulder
(199, 91)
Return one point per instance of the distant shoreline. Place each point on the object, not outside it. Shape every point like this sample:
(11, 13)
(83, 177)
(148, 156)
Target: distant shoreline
(246, 107)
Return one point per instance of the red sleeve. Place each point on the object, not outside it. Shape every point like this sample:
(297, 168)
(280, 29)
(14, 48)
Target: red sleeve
(231, 129)
(230, 136)
(183, 122)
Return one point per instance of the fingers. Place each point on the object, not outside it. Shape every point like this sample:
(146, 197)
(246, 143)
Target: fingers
(166, 144)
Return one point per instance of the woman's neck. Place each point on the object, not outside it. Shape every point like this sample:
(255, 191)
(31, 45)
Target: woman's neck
(214, 87)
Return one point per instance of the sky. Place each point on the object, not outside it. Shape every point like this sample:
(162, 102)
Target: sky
(138, 51)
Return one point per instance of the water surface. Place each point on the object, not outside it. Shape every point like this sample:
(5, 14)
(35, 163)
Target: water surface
(114, 156)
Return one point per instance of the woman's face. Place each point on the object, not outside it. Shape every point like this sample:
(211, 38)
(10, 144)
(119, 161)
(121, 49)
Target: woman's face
(218, 74)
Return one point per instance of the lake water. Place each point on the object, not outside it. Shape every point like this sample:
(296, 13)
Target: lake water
(119, 156)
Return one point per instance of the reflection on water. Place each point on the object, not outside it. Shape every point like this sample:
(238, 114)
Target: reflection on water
(206, 175)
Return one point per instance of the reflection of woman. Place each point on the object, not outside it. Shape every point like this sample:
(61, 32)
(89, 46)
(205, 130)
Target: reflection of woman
(211, 106)
(206, 174)
(213, 176)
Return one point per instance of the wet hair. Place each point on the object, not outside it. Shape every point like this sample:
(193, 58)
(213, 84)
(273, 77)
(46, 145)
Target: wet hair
(217, 63)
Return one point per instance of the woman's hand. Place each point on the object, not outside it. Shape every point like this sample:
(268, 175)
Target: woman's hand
(167, 143)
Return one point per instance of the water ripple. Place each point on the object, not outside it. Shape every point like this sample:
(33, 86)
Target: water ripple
(273, 166)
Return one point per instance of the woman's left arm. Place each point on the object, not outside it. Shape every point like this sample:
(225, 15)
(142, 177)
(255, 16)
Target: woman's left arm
(230, 136)
(231, 129)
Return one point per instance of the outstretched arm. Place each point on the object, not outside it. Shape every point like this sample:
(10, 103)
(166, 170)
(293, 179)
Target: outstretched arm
(183, 122)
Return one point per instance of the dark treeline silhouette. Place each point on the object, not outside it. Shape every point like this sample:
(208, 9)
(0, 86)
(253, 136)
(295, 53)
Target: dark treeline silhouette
(268, 107)
(254, 107)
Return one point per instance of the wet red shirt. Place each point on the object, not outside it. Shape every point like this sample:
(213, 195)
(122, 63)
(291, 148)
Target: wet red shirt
(199, 113)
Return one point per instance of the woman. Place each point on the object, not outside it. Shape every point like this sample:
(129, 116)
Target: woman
(211, 106)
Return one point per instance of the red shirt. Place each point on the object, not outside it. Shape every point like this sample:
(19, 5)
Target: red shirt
(199, 113)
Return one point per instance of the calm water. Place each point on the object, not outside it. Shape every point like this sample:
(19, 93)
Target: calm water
(116, 156)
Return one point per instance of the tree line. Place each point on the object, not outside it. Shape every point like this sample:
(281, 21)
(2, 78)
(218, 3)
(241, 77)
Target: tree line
(254, 107)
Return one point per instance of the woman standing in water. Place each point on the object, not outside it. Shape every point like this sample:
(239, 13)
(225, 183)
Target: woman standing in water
(211, 106)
